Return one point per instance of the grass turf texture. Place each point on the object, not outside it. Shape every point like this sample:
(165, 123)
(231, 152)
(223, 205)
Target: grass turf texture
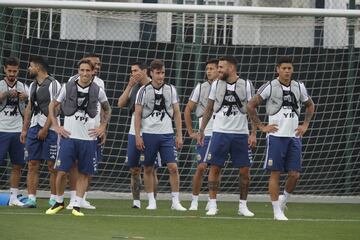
(115, 219)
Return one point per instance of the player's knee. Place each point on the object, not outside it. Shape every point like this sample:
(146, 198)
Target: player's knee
(135, 172)
(202, 168)
(214, 170)
(61, 174)
(173, 169)
(16, 167)
(148, 170)
(33, 165)
(294, 175)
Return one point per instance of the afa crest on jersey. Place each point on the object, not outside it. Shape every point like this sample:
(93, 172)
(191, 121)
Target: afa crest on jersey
(270, 162)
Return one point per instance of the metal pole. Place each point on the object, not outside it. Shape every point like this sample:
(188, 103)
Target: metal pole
(350, 83)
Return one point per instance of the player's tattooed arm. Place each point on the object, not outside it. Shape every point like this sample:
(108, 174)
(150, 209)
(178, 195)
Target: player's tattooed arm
(251, 109)
(310, 109)
(105, 117)
(209, 110)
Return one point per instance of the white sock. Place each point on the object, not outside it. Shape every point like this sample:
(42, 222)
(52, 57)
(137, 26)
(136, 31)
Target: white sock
(78, 201)
(195, 198)
(85, 194)
(243, 203)
(72, 195)
(53, 196)
(212, 203)
(151, 197)
(59, 199)
(286, 195)
(32, 197)
(13, 193)
(276, 206)
(175, 197)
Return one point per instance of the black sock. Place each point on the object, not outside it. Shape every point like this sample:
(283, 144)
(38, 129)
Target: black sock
(58, 204)
(77, 208)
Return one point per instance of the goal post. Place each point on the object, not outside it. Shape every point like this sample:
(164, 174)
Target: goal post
(323, 42)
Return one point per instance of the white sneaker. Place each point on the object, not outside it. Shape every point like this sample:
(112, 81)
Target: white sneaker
(280, 216)
(177, 206)
(71, 205)
(151, 206)
(136, 204)
(86, 204)
(282, 203)
(194, 206)
(15, 202)
(212, 211)
(244, 211)
(207, 206)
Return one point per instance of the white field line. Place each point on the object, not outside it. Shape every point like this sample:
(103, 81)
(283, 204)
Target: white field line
(191, 217)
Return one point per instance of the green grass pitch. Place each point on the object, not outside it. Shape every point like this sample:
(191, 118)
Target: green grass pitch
(115, 219)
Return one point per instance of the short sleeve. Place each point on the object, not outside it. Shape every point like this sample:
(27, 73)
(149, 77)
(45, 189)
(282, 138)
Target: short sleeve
(175, 97)
(304, 96)
(265, 91)
(213, 90)
(195, 95)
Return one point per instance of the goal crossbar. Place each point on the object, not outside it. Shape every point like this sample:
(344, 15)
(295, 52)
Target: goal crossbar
(184, 8)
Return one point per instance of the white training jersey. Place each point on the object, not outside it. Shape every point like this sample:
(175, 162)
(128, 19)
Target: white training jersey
(10, 117)
(101, 84)
(236, 122)
(153, 124)
(40, 118)
(132, 124)
(79, 124)
(195, 96)
(286, 119)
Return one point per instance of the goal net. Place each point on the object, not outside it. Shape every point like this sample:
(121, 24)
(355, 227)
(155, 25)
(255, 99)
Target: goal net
(325, 51)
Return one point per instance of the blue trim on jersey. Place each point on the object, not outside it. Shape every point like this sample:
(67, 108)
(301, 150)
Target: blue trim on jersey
(283, 154)
(163, 144)
(236, 145)
(84, 151)
(41, 150)
(10, 143)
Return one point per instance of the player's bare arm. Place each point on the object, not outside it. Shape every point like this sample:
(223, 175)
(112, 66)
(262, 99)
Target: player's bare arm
(26, 124)
(43, 132)
(124, 98)
(104, 120)
(309, 112)
(139, 141)
(251, 108)
(190, 106)
(209, 110)
(252, 136)
(177, 120)
(54, 107)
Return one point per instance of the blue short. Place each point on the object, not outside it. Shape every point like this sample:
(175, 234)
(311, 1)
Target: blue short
(41, 150)
(236, 145)
(163, 144)
(10, 143)
(135, 157)
(99, 151)
(283, 154)
(84, 151)
(202, 152)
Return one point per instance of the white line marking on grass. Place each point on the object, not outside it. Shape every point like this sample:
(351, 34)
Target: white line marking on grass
(189, 217)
